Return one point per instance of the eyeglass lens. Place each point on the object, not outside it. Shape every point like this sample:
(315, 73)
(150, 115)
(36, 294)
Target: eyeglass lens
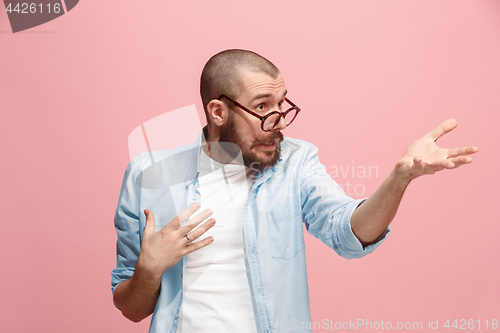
(273, 120)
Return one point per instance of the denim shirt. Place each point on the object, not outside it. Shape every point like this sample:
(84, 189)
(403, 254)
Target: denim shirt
(295, 191)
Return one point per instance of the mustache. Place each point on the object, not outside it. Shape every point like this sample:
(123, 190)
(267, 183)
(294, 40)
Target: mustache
(275, 136)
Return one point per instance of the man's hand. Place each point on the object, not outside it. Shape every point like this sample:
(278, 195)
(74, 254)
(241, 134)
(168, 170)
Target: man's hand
(422, 157)
(163, 249)
(425, 157)
(137, 296)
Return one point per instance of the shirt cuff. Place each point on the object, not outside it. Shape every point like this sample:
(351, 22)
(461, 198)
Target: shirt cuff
(118, 275)
(351, 243)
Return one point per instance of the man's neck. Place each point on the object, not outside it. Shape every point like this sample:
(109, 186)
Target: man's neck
(224, 153)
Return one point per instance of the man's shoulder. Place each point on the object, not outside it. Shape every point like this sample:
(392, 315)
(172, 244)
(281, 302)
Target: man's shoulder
(297, 142)
(146, 159)
(293, 148)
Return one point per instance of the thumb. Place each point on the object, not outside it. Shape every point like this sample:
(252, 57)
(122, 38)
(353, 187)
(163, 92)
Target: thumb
(150, 220)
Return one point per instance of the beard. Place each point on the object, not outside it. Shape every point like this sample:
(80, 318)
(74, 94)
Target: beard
(230, 134)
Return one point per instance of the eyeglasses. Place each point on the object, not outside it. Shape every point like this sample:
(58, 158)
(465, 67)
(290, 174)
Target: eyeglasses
(271, 120)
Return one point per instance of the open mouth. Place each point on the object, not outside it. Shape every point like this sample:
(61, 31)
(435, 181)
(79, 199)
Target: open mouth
(268, 145)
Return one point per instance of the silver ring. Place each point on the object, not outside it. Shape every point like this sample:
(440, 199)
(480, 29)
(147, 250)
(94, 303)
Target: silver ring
(189, 241)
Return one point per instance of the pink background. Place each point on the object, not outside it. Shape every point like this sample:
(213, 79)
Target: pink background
(370, 76)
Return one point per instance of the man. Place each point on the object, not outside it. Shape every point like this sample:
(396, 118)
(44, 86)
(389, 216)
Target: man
(252, 277)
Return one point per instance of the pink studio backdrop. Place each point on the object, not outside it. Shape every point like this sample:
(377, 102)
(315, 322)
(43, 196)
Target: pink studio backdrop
(370, 77)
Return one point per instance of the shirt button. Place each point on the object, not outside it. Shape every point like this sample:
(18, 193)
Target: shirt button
(176, 316)
(196, 197)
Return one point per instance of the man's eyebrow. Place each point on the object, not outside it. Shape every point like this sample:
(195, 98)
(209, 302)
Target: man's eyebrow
(266, 96)
(261, 96)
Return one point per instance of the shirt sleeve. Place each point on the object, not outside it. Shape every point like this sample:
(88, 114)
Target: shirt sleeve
(126, 219)
(327, 210)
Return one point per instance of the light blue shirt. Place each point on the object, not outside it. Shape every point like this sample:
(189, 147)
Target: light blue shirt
(296, 190)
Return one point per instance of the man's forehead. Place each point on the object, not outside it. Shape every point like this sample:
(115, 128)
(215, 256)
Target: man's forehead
(261, 85)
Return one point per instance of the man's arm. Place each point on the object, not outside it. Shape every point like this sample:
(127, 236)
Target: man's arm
(136, 297)
(422, 157)
(326, 209)
(371, 218)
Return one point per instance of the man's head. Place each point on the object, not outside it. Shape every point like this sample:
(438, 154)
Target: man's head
(222, 73)
(256, 84)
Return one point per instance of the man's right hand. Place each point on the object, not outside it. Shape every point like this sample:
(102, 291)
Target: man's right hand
(137, 296)
(163, 249)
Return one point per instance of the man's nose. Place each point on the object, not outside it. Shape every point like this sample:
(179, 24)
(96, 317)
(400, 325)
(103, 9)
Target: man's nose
(281, 124)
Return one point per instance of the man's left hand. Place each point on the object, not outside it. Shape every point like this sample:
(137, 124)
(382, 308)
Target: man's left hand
(424, 157)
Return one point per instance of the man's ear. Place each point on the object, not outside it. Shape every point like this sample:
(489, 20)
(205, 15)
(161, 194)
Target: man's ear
(217, 112)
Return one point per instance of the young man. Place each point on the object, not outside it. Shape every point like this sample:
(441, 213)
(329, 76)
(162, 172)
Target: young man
(261, 188)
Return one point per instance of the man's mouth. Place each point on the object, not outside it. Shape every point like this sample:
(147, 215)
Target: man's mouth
(268, 145)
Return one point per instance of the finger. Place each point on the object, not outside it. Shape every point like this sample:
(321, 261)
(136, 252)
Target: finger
(195, 221)
(184, 215)
(150, 220)
(447, 164)
(198, 245)
(196, 233)
(418, 163)
(434, 166)
(442, 129)
(461, 160)
(442, 164)
(462, 151)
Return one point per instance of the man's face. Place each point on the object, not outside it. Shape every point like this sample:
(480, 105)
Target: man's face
(261, 94)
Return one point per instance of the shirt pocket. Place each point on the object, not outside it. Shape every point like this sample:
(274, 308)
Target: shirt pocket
(286, 235)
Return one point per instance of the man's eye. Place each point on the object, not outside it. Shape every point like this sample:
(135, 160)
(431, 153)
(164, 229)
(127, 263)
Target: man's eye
(261, 107)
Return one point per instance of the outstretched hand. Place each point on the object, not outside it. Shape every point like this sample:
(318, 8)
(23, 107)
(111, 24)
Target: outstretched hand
(424, 157)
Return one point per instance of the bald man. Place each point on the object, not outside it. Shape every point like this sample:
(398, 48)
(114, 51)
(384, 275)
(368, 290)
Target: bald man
(238, 264)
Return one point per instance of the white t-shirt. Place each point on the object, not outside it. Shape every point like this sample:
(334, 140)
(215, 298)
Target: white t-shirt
(216, 295)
